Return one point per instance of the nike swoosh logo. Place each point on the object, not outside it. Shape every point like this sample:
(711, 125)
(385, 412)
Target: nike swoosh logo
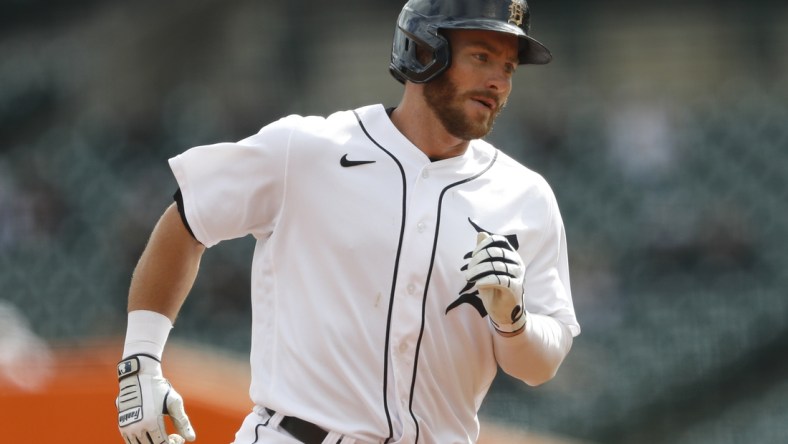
(345, 162)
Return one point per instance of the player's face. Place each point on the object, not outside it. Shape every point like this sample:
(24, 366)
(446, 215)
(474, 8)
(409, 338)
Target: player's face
(471, 93)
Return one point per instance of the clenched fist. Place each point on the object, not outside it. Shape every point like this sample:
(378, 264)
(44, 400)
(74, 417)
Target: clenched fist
(143, 400)
(497, 271)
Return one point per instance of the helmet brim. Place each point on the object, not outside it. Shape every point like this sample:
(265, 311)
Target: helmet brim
(531, 51)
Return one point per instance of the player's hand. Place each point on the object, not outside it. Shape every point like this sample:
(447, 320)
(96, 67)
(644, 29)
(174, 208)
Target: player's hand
(498, 273)
(144, 398)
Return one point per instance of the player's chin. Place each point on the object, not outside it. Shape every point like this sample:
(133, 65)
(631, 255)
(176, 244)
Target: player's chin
(477, 129)
(467, 122)
(480, 123)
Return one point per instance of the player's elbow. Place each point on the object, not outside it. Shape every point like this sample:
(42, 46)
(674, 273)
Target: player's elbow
(539, 376)
(538, 370)
(546, 366)
(535, 356)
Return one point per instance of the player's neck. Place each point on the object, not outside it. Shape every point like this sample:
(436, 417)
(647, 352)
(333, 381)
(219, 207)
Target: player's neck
(420, 125)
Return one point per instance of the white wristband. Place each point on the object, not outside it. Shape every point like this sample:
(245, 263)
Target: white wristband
(146, 333)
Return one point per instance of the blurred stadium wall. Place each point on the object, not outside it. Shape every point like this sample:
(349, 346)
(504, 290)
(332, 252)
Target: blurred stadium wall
(662, 126)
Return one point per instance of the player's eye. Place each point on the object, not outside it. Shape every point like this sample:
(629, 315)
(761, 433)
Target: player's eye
(481, 57)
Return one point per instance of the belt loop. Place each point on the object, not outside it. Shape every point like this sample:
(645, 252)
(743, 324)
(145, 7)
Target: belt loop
(303, 431)
(274, 418)
(338, 438)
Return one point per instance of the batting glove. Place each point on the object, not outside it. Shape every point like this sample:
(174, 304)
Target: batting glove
(498, 273)
(144, 398)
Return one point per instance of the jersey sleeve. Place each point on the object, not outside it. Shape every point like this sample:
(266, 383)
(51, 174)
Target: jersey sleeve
(547, 287)
(231, 190)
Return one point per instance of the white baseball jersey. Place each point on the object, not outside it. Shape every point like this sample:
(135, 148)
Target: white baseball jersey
(362, 322)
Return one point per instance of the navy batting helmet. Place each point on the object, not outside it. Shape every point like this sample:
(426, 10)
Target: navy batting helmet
(421, 21)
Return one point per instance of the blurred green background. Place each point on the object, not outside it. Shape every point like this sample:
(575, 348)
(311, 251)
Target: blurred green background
(662, 127)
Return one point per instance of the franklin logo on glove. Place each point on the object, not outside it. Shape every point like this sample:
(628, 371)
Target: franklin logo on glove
(130, 416)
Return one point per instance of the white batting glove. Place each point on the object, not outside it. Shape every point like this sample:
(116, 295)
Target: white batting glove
(498, 272)
(144, 398)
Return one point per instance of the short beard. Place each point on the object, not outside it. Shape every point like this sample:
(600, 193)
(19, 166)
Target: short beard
(442, 97)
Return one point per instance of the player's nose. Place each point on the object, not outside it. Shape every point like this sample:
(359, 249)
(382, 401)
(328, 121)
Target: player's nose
(499, 80)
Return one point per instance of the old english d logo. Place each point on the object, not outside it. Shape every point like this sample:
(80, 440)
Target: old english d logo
(516, 12)
(472, 297)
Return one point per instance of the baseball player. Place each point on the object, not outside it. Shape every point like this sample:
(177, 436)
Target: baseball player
(400, 259)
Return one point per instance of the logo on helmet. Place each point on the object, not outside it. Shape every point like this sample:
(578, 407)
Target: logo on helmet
(516, 12)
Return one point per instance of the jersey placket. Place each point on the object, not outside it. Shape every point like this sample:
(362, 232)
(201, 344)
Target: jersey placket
(407, 312)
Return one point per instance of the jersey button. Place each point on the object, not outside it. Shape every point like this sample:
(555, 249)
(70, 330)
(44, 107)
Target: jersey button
(403, 347)
(420, 226)
(425, 174)
(411, 288)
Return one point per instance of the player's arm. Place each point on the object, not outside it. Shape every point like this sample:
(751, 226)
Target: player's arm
(527, 346)
(535, 354)
(161, 281)
(167, 268)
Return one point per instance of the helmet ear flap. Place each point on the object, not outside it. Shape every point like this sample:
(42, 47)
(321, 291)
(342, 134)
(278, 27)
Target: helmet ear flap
(420, 54)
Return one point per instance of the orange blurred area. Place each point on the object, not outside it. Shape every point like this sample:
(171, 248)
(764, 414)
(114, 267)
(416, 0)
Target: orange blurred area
(77, 396)
(72, 400)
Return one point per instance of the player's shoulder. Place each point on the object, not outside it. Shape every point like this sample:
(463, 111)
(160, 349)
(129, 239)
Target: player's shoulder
(316, 125)
(512, 174)
(509, 167)
(307, 132)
